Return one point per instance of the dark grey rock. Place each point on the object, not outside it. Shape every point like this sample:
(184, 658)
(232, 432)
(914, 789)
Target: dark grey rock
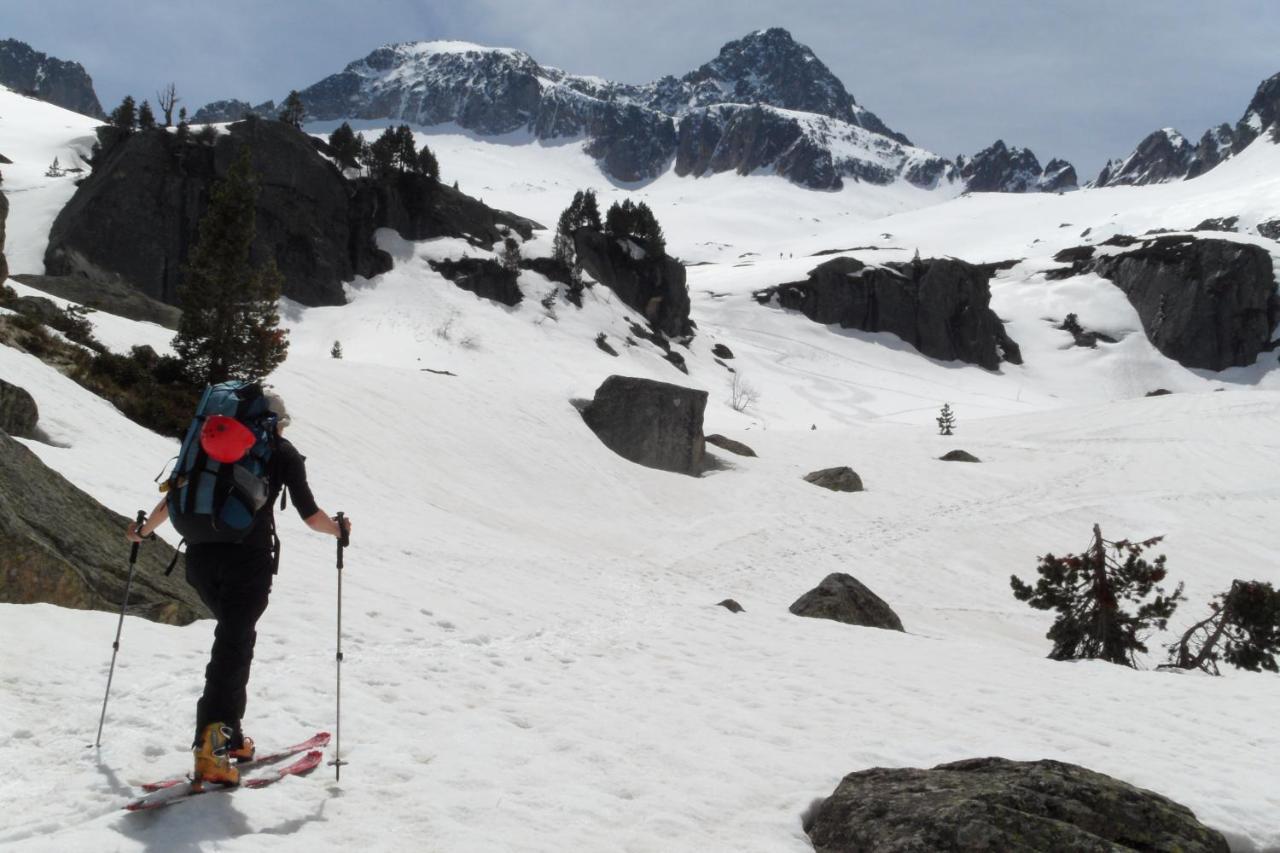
(1225, 223)
(1000, 169)
(840, 479)
(730, 445)
(222, 112)
(603, 343)
(994, 804)
(110, 295)
(1159, 392)
(134, 221)
(1204, 303)
(939, 306)
(722, 351)
(18, 411)
(730, 605)
(653, 284)
(38, 308)
(843, 598)
(1270, 229)
(4, 214)
(1162, 156)
(959, 456)
(483, 277)
(60, 546)
(654, 424)
(31, 72)
(1081, 336)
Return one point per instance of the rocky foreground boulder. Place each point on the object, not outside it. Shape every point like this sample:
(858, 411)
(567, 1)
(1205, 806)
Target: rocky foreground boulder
(654, 424)
(940, 306)
(993, 804)
(844, 598)
(60, 546)
(1205, 303)
(842, 478)
(135, 219)
(18, 411)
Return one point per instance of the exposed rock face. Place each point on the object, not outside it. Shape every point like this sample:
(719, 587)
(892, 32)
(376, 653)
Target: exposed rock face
(1204, 303)
(654, 285)
(939, 306)
(135, 219)
(220, 112)
(1000, 169)
(997, 804)
(1270, 230)
(112, 296)
(839, 479)
(18, 412)
(843, 598)
(60, 546)
(4, 214)
(483, 277)
(730, 445)
(1166, 155)
(650, 423)
(959, 456)
(730, 605)
(31, 72)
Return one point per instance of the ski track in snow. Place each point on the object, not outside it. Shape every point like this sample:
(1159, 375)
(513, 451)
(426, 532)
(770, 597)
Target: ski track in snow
(533, 656)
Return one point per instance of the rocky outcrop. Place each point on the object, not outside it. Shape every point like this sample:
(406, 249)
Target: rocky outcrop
(1162, 156)
(998, 804)
(483, 277)
(1270, 229)
(939, 306)
(1000, 169)
(110, 295)
(18, 412)
(839, 479)
(4, 214)
(136, 218)
(650, 423)
(844, 598)
(959, 456)
(651, 283)
(1207, 304)
(60, 546)
(67, 84)
(725, 443)
(221, 112)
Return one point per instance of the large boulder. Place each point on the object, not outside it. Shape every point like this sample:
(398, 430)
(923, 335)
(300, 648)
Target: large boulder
(18, 412)
(112, 296)
(483, 277)
(939, 306)
(1270, 229)
(651, 283)
(58, 81)
(845, 599)
(655, 424)
(1204, 303)
(996, 804)
(60, 546)
(839, 479)
(136, 218)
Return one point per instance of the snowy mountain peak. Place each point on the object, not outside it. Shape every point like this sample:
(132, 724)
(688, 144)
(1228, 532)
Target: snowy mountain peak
(1000, 168)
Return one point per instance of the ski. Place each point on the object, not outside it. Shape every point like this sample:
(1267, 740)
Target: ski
(180, 793)
(316, 741)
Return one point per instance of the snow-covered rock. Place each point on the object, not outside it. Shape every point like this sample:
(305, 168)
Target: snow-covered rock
(27, 70)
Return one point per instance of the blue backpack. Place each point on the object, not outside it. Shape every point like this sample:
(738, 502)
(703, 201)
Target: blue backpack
(221, 478)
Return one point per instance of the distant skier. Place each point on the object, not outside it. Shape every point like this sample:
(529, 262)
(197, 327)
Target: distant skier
(233, 578)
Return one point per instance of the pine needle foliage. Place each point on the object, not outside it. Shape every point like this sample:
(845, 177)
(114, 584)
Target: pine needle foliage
(230, 321)
(1093, 592)
(1243, 631)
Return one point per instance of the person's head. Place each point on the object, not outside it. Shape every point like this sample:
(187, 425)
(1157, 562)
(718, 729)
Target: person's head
(275, 405)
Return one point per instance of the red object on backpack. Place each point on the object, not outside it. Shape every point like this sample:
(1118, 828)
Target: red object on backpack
(226, 439)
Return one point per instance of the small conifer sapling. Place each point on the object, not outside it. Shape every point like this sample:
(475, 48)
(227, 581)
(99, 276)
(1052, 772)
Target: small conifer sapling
(946, 420)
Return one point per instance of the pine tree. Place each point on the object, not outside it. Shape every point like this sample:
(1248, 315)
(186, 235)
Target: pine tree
(1243, 630)
(406, 150)
(229, 326)
(562, 248)
(167, 98)
(428, 166)
(946, 420)
(346, 146)
(146, 118)
(510, 255)
(589, 211)
(184, 129)
(382, 154)
(336, 351)
(125, 116)
(292, 112)
(55, 170)
(1088, 590)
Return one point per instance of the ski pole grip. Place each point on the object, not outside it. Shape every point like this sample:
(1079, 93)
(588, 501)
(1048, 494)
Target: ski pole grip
(344, 538)
(142, 519)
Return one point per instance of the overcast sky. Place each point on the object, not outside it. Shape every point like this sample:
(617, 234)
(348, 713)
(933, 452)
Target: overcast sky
(1080, 79)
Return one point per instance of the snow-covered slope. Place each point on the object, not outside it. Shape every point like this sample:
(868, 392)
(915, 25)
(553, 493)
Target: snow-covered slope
(534, 658)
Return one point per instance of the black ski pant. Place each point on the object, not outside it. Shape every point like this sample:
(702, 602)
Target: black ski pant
(234, 582)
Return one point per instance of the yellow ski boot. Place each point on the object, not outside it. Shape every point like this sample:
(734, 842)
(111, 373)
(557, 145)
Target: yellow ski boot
(246, 751)
(213, 762)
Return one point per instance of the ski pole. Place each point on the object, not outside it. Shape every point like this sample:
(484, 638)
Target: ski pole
(343, 541)
(115, 646)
